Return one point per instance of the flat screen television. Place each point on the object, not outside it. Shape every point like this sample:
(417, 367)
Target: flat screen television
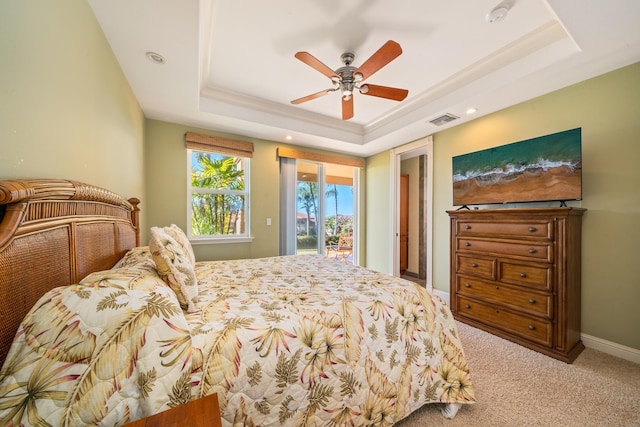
(547, 168)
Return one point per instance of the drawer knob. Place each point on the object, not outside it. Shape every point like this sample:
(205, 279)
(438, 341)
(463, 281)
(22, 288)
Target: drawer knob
(523, 275)
(467, 227)
(497, 288)
(468, 285)
(532, 301)
(532, 251)
(467, 244)
(532, 327)
(497, 311)
(532, 229)
(467, 306)
(474, 265)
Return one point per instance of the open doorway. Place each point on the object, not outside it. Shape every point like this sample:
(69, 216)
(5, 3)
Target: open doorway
(421, 233)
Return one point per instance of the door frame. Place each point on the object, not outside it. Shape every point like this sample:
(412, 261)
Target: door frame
(421, 147)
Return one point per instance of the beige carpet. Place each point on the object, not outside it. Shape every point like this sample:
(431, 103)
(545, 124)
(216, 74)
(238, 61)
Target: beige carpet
(516, 387)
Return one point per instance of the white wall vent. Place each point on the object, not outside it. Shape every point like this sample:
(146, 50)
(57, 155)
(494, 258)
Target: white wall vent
(446, 118)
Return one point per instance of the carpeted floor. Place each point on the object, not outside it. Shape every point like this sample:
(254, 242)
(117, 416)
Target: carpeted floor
(517, 387)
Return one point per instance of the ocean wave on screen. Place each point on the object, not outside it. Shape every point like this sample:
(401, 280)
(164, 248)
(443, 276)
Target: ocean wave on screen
(511, 171)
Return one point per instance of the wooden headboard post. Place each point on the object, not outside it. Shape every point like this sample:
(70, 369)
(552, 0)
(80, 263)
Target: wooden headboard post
(135, 217)
(53, 233)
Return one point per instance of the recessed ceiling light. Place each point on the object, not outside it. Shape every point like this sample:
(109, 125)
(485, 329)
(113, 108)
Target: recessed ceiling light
(472, 110)
(288, 137)
(156, 58)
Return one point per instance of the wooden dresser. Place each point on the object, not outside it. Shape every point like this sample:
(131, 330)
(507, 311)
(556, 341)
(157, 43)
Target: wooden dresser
(516, 273)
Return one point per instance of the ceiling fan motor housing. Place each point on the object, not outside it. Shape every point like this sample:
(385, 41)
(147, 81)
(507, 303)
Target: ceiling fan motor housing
(349, 80)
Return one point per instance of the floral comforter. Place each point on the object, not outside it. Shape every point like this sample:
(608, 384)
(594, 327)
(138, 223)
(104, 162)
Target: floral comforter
(297, 340)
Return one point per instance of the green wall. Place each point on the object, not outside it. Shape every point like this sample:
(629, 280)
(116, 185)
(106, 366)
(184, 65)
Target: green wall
(66, 109)
(607, 108)
(378, 212)
(166, 180)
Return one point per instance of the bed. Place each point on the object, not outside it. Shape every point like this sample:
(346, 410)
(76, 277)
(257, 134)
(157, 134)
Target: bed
(97, 329)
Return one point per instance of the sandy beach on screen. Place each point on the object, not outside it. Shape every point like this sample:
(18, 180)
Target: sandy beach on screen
(528, 186)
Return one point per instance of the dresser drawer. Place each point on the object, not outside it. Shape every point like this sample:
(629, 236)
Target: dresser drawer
(528, 275)
(534, 250)
(536, 330)
(535, 228)
(539, 304)
(476, 266)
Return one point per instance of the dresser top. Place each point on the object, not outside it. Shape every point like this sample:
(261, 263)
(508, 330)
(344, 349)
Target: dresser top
(557, 211)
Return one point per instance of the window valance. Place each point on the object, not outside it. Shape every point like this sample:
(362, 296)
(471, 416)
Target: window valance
(319, 157)
(200, 142)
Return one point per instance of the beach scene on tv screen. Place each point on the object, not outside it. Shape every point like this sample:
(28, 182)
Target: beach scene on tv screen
(539, 169)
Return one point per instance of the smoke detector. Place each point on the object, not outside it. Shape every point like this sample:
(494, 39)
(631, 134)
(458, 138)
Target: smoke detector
(499, 13)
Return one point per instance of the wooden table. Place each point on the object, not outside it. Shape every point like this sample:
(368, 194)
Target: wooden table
(197, 413)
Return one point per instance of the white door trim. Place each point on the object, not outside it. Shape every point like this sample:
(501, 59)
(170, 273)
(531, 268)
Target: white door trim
(417, 148)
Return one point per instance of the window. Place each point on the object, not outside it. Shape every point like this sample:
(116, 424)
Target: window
(218, 192)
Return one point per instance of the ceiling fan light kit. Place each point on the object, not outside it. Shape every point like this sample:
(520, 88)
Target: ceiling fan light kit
(348, 78)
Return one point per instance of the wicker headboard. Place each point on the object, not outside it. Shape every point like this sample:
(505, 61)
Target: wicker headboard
(53, 233)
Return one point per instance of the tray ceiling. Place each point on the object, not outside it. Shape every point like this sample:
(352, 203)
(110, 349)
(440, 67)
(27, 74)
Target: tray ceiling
(230, 64)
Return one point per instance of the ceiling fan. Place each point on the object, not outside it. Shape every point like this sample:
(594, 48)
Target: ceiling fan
(348, 78)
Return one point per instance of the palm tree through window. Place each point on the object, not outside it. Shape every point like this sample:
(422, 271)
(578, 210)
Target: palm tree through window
(325, 205)
(219, 195)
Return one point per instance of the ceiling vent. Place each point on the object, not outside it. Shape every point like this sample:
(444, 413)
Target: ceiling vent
(446, 118)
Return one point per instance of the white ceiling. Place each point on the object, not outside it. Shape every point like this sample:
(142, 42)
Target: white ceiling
(230, 64)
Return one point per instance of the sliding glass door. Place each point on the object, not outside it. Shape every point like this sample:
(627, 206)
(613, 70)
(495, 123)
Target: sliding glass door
(326, 209)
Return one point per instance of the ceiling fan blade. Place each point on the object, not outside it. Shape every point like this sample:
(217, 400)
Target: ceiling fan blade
(387, 53)
(311, 61)
(347, 108)
(312, 96)
(385, 92)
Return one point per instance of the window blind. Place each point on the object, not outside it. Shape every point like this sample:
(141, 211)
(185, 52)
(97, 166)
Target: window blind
(288, 206)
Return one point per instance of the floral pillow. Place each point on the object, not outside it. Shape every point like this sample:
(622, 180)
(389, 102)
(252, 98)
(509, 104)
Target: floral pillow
(138, 257)
(177, 233)
(173, 255)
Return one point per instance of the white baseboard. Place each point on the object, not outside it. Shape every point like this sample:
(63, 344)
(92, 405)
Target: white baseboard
(609, 347)
(612, 348)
